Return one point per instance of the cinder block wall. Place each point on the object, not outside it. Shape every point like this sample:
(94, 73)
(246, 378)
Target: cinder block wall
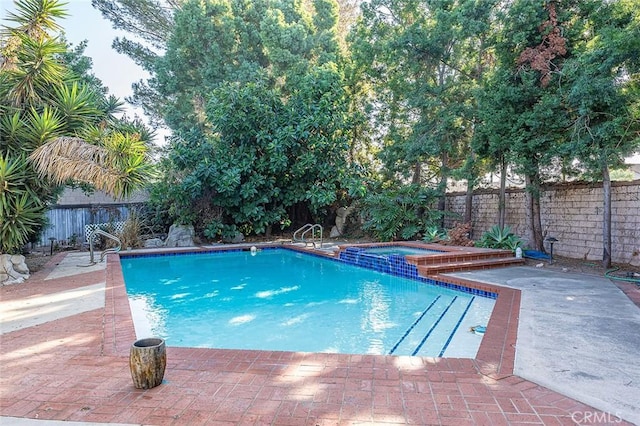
(570, 212)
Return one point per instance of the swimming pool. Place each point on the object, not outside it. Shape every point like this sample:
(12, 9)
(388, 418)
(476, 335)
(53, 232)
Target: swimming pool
(279, 299)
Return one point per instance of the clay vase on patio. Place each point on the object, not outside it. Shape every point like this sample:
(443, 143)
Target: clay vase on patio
(147, 360)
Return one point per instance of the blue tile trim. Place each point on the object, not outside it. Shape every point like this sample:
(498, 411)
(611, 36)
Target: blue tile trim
(188, 252)
(397, 265)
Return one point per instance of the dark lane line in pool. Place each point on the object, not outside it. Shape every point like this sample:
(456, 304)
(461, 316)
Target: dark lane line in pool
(455, 329)
(433, 327)
(406, 333)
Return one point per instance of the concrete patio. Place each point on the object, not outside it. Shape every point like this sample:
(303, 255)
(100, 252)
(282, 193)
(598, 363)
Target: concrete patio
(577, 334)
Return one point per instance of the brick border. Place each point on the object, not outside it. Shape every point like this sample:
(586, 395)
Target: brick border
(495, 357)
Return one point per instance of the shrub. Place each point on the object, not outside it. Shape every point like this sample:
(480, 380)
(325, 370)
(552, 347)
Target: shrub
(459, 235)
(398, 212)
(130, 235)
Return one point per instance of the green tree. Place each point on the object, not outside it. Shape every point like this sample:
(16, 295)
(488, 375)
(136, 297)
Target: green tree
(45, 110)
(523, 110)
(149, 24)
(564, 93)
(604, 97)
(256, 91)
(424, 60)
(496, 130)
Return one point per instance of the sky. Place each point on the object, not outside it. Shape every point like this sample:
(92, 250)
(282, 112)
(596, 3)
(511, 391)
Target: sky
(116, 71)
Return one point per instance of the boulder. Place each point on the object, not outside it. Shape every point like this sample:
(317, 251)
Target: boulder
(153, 242)
(13, 269)
(19, 264)
(180, 236)
(341, 220)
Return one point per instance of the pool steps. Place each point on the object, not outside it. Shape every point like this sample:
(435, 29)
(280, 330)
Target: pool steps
(426, 334)
(467, 265)
(451, 259)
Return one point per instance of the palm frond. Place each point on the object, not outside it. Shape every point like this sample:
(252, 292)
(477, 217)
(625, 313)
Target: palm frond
(77, 104)
(108, 168)
(67, 159)
(36, 17)
(36, 69)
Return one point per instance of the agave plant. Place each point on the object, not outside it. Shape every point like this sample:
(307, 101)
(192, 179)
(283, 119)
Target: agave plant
(500, 238)
(433, 234)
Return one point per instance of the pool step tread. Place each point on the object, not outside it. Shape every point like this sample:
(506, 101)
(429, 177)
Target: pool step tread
(437, 339)
(450, 257)
(430, 265)
(467, 265)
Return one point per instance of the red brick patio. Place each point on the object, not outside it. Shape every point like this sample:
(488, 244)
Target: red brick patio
(76, 368)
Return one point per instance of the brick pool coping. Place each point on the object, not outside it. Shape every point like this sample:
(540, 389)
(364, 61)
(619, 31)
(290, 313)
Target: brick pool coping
(76, 368)
(495, 356)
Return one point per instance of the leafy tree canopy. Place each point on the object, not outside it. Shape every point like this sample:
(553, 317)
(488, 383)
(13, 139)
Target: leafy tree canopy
(257, 100)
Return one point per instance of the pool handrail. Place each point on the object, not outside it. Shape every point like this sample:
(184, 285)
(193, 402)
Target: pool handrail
(304, 230)
(104, 252)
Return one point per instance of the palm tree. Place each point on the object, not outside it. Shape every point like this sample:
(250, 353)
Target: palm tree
(118, 167)
(55, 130)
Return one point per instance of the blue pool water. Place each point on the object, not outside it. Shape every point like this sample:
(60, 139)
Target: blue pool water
(281, 299)
(399, 250)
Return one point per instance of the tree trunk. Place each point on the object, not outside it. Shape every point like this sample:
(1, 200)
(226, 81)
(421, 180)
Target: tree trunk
(537, 222)
(442, 201)
(532, 213)
(468, 202)
(417, 173)
(606, 217)
(468, 199)
(502, 204)
(442, 187)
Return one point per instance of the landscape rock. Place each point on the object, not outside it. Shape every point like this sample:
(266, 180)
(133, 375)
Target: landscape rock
(13, 269)
(341, 220)
(180, 236)
(19, 264)
(153, 242)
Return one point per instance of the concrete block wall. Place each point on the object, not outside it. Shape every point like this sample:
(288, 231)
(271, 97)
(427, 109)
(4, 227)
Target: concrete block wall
(570, 212)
